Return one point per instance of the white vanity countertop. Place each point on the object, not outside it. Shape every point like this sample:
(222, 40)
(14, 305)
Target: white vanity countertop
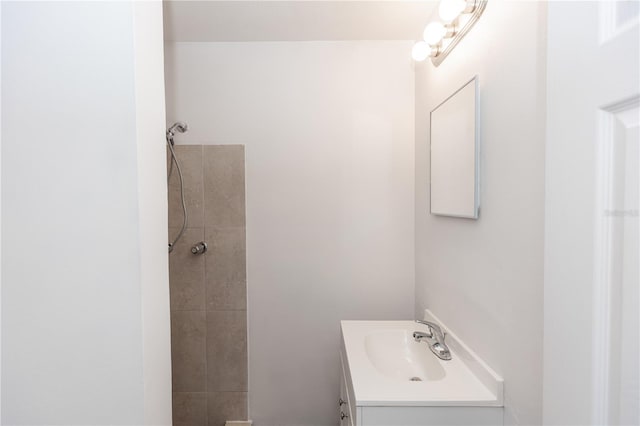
(382, 356)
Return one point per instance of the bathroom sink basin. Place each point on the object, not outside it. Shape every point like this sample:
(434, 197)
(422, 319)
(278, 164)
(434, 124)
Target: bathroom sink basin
(395, 354)
(385, 366)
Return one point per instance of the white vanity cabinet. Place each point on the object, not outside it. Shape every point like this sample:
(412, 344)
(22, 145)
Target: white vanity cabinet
(345, 413)
(353, 415)
(388, 379)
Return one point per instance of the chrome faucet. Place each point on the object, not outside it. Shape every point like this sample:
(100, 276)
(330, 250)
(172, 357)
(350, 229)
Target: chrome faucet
(435, 338)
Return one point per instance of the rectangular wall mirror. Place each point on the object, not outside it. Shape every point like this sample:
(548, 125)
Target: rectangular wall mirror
(455, 143)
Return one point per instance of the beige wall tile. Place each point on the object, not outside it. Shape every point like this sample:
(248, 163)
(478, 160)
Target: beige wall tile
(188, 351)
(189, 409)
(223, 406)
(186, 272)
(227, 351)
(224, 185)
(226, 275)
(209, 350)
(190, 159)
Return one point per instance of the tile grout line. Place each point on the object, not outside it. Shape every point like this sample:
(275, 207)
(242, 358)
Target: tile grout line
(204, 285)
(245, 385)
(246, 282)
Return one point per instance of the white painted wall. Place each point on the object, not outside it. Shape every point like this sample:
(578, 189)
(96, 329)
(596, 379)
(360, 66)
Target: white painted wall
(76, 298)
(329, 135)
(484, 278)
(153, 209)
(294, 20)
(0, 211)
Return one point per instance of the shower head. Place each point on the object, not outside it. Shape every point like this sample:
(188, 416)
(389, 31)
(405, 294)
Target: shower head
(179, 126)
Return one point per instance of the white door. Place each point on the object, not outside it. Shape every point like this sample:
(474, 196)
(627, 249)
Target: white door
(592, 324)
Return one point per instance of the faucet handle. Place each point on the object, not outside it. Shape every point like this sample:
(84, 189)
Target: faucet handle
(432, 325)
(425, 322)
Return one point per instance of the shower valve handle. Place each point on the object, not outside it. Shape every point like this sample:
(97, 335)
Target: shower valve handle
(199, 248)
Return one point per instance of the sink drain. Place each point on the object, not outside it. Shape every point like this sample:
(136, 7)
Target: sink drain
(415, 379)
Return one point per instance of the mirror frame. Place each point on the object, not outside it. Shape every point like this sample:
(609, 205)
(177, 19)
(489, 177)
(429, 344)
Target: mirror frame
(474, 143)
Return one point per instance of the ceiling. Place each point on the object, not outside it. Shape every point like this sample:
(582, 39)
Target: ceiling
(302, 20)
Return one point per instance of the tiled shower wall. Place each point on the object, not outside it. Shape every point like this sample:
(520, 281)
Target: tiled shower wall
(208, 292)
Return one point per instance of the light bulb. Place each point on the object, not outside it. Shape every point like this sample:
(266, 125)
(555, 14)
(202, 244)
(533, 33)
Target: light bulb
(451, 9)
(420, 51)
(434, 32)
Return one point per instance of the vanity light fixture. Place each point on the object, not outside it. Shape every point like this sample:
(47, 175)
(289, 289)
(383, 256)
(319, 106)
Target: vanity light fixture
(451, 9)
(421, 51)
(434, 33)
(440, 37)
